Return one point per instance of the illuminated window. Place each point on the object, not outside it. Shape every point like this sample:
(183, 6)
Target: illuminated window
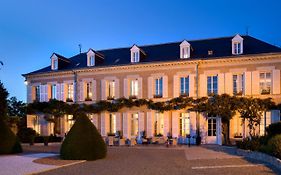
(54, 91)
(70, 91)
(184, 124)
(184, 86)
(265, 82)
(185, 52)
(112, 123)
(89, 93)
(134, 124)
(136, 57)
(212, 85)
(110, 89)
(92, 60)
(238, 84)
(37, 93)
(134, 88)
(159, 124)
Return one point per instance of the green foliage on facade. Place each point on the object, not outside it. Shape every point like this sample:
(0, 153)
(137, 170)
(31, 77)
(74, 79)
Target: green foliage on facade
(83, 142)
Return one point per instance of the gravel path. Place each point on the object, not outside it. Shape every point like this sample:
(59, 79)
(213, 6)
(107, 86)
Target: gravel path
(22, 164)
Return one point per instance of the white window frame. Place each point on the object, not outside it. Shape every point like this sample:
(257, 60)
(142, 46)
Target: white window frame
(238, 84)
(112, 123)
(212, 126)
(158, 86)
(134, 87)
(158, 123)
(91, 60)
(184, 88)
(70, 91)
(264, 82)
(184, 124)
(134, 124)
(110, 92)
(55, 63)
(89, 90)
(54, 91)
(212, 90)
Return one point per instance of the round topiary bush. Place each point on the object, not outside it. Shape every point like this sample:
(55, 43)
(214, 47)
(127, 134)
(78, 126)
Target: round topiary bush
(26, 135)
(275, 144)
(9, 142)
(83, 142)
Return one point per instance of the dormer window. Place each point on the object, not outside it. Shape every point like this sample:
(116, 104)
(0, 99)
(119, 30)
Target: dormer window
(136, 57)
(184, 50)
(137, 54)
(91, 58)
(237, 45)
(92, 61)
(54, 62)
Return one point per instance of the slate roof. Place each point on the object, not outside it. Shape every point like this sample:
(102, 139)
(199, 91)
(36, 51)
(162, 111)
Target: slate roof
(221, 47)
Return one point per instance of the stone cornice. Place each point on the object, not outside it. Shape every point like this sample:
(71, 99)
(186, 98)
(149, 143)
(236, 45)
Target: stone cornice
(221, 61)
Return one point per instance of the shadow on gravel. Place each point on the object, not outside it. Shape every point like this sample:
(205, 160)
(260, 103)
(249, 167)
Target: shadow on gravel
(232, 150)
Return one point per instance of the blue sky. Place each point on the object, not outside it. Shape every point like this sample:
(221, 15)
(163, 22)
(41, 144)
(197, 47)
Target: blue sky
(31, 30)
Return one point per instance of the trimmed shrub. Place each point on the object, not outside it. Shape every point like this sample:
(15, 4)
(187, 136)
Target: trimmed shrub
(273, 129)
(26, 135)
(249, 144)
(275, 144)
(9, 143)
(83, 142)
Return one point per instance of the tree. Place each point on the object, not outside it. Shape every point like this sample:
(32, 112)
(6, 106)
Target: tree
(251, 110)
(16, 112)
(3, 101)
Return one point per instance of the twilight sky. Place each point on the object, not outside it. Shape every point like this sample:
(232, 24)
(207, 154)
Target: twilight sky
(31, 30)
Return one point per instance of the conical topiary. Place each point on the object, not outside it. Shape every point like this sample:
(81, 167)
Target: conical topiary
(9, 143)
(83, 142)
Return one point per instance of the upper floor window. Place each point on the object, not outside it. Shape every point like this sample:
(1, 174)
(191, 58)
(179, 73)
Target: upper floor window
(238, 84)
(134, 124)
(134, 88)
(158, 88)
(37, 93)
(212, 85)
(110, 91)
(159, 124)
(265, 82)
(89, 93)
(54, 64)
(237, 45)
(136, 57)
(184, 86)
(70, 92)
(112, 123)
(54, 91)
(184, 124)
(184, 49)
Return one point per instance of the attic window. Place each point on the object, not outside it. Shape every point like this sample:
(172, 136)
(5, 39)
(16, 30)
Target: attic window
(210, 52)
(92, 60)
(184, 50)
(237, 45)
(54, 63)
(135, 54)
(136, 57)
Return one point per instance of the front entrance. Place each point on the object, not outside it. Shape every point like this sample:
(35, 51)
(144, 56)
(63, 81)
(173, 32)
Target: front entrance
(214, 130)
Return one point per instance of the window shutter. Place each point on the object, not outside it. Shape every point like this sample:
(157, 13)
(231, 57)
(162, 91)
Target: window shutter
(150, 121)
(30, 93)
(94, 90)
(165, 87)
(62, 92)
(118, 121)
(58, 91)
(127, 89)
(248, 83)
(276, 81)
(126, 127)
(141, 122)
(175, 124)
(218, 129)
(150, 87)
(221, 89)
(203, 85)
(229, 83)
(275, 116)
(117, 88)
(81, 91)
(95, 120)
(192, 85)
(176, 87)
(166, 124)
(103, 90)
(140, 87)
(41, 93)
(192, 116)
(255, 83)
(103, 123)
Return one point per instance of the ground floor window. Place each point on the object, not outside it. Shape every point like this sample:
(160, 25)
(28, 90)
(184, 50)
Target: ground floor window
(212, 129)
(70, 121)
(112, 123)
(36, 124)
(184, 124)
(134, 124)
(159, 124)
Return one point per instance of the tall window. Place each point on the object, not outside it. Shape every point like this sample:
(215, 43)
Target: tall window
(70, 121)
(112, 123)
(110, 89)
(134, 88)
(212, 85)
(134, 124)
(54, 91)
(92, 60)
(36, 124)
(158, 87)
(238, 84)
(37, 93)
(212, 129)
(89, 93)
(54, 64)
(185, 52)
(159, 123)
(136, 57)
(184, 124)
(184, 86)
(265, 82)
(237, 48)
(70, 91)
